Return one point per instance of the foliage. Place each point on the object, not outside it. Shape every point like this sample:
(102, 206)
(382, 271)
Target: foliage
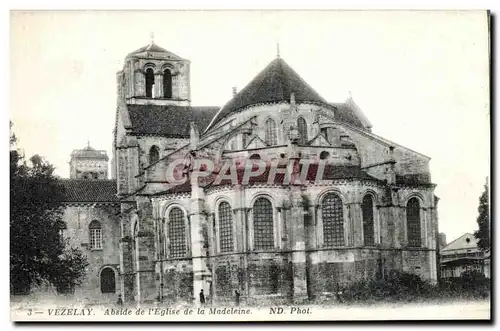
(37, 251)
(396, 286)
(470, 285)
(406, 287)
(483, 221)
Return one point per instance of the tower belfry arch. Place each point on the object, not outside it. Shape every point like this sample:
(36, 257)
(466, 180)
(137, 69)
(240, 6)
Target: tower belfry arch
(154, 75)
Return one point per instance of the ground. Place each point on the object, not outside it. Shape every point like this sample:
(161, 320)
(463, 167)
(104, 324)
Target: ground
(428, 310)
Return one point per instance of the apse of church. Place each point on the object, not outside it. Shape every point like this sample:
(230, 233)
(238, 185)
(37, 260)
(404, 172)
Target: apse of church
(178, 232)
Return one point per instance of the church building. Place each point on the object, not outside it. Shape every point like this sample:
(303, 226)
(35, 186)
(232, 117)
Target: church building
(151, 238)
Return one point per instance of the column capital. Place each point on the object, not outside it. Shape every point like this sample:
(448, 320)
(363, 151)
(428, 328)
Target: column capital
(243, 209)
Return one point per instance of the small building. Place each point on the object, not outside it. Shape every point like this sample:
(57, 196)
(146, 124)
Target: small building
(463, 254)
(91, 223)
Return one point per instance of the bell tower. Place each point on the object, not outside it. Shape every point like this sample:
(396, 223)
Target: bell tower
(88, 163)
(153, 75)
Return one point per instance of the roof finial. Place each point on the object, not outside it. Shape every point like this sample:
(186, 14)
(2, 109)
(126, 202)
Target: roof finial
(278, 49)
(350, 94)
(152, 37)
(88, 142)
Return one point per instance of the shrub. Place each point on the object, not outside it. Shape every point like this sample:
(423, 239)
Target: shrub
(396, 286)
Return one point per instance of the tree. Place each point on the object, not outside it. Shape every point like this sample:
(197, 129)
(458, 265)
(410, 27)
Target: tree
(483, 221)
(38, 253)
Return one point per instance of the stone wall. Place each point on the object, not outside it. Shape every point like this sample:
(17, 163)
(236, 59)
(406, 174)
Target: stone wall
(78, 167)
(326, 268)
(78, 218)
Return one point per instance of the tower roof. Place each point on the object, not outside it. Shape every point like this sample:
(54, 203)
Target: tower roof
(153, 48)
(273, 84)
(89, 153)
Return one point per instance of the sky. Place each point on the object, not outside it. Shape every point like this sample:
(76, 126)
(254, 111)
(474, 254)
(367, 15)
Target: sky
(422, 78)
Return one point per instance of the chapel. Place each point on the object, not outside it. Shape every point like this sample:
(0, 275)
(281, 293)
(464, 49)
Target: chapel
(150, 238)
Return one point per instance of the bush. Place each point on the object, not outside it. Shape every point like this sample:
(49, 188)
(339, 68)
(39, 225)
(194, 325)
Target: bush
(471, 284)
(397, 286)
(402, 286)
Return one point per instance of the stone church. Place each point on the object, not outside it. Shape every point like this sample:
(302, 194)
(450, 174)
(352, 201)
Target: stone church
(150, 238)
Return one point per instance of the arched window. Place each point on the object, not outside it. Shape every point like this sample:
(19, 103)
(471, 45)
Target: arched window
(263, 224)
(333, 220)
(154, 154)
(176, 233)
(368, 224)
(271, 136)
(108, 282)
(225, 228)
(302, 128)
(413, 223)
(167, 84)
(95, 235)
(150, 82)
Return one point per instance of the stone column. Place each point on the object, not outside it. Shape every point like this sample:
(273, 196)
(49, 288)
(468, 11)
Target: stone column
(146, 282)
(139, 83)
(158, 85)
(199, 240)
(298, 245)
(176, 91)
(240, 219)
(126, 263)
(356, 221)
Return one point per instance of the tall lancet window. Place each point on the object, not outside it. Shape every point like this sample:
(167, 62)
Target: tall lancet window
(150, 82)
(176, 233)
(413, 223)
(167, 84)
(368, 224)
(302, 128)
(333, 220)
(225, 228)
(263, 224)
(154, 154)
(271, 136)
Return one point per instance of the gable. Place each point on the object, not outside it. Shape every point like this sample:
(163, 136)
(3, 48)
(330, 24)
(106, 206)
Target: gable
(319, 140)
(461, 243)
(256, 142)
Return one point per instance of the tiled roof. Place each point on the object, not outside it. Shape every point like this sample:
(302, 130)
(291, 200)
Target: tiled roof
(81, 190)
(182, 188)
(461, 243)
(345, 114)
(152, 47)
(169, 121)
(275, 83)
(413, 179)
